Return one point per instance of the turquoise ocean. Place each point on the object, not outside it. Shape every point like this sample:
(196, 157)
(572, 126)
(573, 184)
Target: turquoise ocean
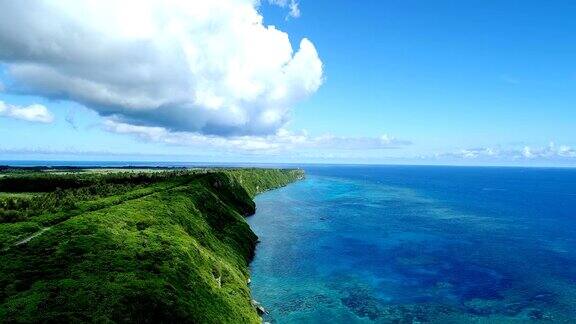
(415, 244)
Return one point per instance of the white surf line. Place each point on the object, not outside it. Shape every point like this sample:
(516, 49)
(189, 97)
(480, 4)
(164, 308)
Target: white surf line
(29, 238)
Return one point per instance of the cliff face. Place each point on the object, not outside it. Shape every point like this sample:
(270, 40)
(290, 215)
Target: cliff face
(178, 253)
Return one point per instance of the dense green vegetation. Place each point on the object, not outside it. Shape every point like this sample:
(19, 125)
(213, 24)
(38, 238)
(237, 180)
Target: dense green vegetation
(162, 246)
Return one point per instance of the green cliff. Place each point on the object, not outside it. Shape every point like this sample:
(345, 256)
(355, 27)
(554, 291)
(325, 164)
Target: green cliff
(155, 246)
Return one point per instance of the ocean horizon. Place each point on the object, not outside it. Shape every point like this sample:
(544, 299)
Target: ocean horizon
(184, 164)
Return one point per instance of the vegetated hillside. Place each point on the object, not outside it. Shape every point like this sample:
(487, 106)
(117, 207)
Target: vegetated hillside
(145, 247)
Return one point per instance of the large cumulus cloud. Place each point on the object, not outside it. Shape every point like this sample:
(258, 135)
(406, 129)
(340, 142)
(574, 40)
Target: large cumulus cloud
(209, 67)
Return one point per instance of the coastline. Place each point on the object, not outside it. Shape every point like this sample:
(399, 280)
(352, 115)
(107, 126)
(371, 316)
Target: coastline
(174, 249)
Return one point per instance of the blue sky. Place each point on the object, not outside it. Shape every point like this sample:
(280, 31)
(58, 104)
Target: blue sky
(425, 82)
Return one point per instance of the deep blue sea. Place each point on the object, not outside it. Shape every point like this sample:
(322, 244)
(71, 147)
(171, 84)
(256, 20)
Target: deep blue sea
(409, 244)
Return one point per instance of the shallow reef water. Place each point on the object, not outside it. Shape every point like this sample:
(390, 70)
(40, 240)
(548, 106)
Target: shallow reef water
(399, 244)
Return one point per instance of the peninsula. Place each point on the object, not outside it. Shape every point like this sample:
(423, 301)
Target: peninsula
(129, 245)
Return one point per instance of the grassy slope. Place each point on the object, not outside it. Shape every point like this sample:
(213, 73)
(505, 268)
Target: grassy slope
(177, 254)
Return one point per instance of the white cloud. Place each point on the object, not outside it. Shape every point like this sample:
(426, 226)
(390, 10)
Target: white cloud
(282, 141)
(524, 153)
(209, 67)
(294, 9)
(527, 152)
(567, 151)
(476, 152)
(549, 152)
(292, 5)
(32, 113)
